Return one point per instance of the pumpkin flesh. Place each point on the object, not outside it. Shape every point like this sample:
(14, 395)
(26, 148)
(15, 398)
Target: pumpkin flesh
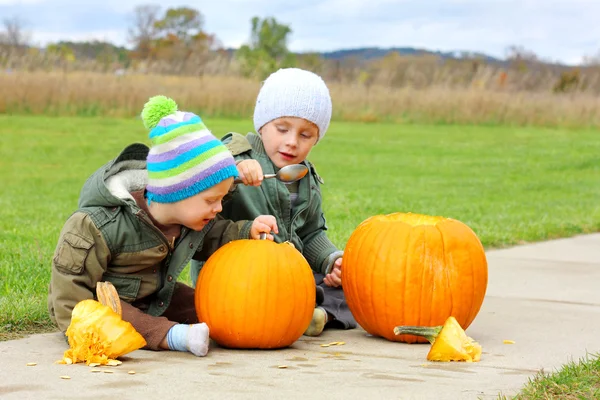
(448, 342)
(97, 334)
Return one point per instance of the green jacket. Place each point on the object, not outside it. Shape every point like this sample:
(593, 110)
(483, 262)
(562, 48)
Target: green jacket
(304, 226)
(109, 238)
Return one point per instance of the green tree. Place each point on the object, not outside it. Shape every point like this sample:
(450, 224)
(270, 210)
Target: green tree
(184, 23)
(267, 50)
(143, 32)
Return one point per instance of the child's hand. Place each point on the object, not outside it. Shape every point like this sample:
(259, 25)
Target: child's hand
(250, 172)
(334, 278)
(264, 224)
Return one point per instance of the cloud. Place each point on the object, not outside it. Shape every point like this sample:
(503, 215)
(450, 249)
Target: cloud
(17, 2)
(557, 30)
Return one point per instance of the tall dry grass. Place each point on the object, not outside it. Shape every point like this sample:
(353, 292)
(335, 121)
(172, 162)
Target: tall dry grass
(98, 94)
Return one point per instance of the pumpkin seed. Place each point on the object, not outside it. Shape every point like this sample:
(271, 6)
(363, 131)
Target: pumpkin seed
(68, 361)
(65, 377)
(508, 341)
(132, 372)
(114, 363)
(108, 371)
(96, 370)
(282, 366)
(31, 364)
(325, 345)
(93, 365)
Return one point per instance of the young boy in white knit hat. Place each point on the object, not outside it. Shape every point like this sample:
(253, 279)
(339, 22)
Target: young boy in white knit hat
(292, 114)
(141, 218)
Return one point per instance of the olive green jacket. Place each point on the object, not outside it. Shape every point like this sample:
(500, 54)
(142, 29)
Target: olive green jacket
(109, 238)
(304, 225)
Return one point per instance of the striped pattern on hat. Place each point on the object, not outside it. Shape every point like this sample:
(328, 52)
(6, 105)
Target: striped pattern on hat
(185, 159)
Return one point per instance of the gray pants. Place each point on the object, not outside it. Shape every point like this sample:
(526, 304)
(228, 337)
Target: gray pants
(334, 302)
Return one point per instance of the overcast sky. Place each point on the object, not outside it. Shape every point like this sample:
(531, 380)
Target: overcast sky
(558, 30)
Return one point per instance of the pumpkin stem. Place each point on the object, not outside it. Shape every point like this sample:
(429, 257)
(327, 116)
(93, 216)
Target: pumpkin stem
(428, 332)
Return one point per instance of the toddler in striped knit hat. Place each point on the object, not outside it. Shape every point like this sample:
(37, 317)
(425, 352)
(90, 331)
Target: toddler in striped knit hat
(141, 218)
(189, 173)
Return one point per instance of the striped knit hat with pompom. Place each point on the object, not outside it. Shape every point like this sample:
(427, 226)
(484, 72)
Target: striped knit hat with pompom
(185, 158)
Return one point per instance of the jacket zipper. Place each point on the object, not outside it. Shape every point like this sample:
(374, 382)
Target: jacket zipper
(295, 216)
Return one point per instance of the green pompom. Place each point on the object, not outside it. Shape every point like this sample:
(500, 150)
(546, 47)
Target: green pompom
(156, 108)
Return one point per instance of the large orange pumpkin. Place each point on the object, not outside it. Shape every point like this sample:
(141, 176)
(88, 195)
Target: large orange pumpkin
(256, 294)
(413, 269)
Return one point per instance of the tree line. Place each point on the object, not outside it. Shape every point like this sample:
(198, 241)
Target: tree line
(174, 41)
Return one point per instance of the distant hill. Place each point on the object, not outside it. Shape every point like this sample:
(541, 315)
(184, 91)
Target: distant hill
(370, 53)
(373, 53)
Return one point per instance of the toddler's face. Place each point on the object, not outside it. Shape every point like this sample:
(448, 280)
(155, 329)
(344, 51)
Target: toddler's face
(288, 140)
(197, 211)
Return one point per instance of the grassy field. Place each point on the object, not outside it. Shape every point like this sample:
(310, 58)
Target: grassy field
(93, 94)
(510, 185)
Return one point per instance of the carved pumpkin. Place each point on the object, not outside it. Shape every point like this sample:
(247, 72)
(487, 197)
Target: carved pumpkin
(97, 334)
(412, 269)
(255, 294)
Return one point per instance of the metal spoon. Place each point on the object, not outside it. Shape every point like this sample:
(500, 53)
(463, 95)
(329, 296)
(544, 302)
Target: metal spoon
(288, 174)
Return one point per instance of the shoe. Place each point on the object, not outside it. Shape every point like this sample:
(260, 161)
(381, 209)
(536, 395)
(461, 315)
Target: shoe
(317, 324)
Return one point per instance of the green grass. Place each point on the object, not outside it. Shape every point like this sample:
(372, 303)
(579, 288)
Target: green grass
(511, 185)
(575, 380)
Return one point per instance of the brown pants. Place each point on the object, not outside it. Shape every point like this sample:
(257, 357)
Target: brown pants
(154, 329)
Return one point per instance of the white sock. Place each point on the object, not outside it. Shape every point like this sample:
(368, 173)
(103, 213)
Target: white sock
(193, 338)
(198, 339)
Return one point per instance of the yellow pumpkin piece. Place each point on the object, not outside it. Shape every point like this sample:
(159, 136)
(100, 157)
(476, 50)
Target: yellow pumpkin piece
(108, 295)
(448, 342)
(98, 335)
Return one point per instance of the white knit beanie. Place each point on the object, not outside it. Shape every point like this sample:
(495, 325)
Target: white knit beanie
(293, 92)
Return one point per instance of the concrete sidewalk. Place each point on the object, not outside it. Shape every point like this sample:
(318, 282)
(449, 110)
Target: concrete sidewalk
(543, 296)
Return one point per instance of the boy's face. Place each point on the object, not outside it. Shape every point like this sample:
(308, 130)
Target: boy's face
(288, 140)
(197, 211)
